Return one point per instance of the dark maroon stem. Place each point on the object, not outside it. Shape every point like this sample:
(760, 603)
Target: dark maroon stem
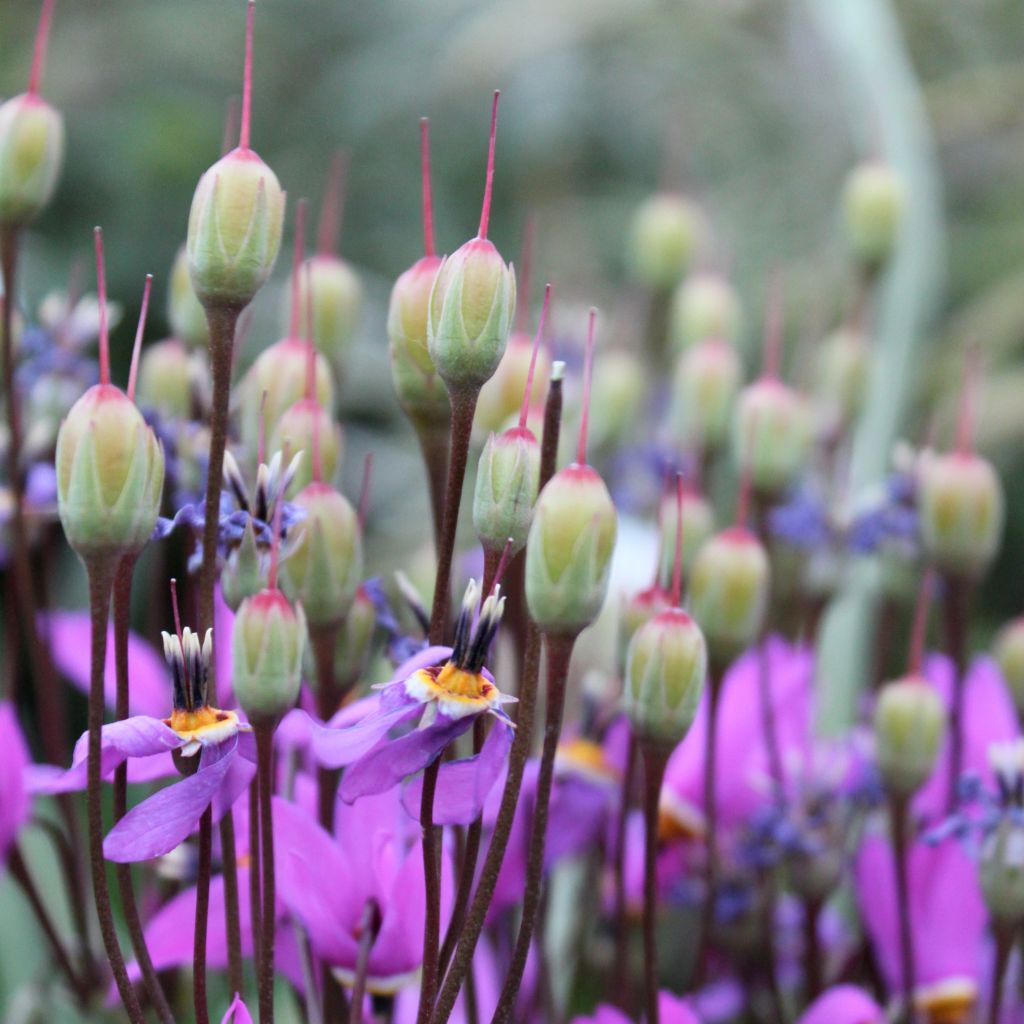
(1004, 944)
(369, 927)
(101, 580)
(232, 913)
(619, 992)
(463, 409)
(492, 559)
(265, 775)
(957, 600)
(813, 970)
(205, 845)
(254, 868)
(710, 824)
(898, 819)
(123, 872)
(432, 880)
(559, 652)
(433, 439)
(323, 642)
(655, 757)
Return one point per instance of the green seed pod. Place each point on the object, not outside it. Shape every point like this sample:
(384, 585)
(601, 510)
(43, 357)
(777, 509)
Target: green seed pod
(705, 306)
(873, 201)
(698, 525)
(337, 300)
(666, 232)
(704, 387)
(1009, 653)
(267, 643)
(501, 397)
(470, 314)
(420, 390)
(962, 510)
(569, 550)
(307, 427)
(110, 474)
(843, 363)
(772, 435)
(729, 585)
(325, 556)
(666, 666)
(909, 725)
(165, 379)
(31, 155)
(507, 479)
(184, 311)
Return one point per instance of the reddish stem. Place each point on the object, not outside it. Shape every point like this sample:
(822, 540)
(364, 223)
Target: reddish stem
(329, 227)
(920, 627)
(101, 287)
(588, 373)
(133, 373)
(39, 51)
(524, 411)
(485, 211)
(428, 204)
(243, 133)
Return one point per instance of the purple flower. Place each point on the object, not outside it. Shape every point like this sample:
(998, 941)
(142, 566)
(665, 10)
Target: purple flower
(671, 1009)
(15, 804)
(237, 1013)
(443, 700)
(801, 520)
(844, 1004)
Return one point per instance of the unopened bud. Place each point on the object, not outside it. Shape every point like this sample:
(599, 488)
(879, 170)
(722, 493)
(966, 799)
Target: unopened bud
(910, 723)
(620, 390)
(844, 360)
(337, 300)
(698, 519)
(772, 435)
(246, 569)
(705, 306)
(184, 310)
(1009, 653)
(502, 395)
(308, 427)
(704, 387)
(165, 379)
(507, 479)
(873, 201)
(666, 231)
(31, 155)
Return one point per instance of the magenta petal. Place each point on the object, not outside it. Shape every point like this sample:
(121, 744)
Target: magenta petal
(844, 1004)
(166, 819)
(240, 774)
(336, 748)
(237, 1013)
(391, 761)
(14, 761)
(463, 785)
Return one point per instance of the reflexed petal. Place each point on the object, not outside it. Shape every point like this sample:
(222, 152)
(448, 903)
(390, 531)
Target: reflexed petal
(14, 759)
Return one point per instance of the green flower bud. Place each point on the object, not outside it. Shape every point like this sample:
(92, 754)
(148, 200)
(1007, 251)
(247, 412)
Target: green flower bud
(910, 723)
(470, 314)
(569, 550)
(267, 642)
(704, 388)
(355, 641)
(705, 306)
(1001, 866)
(1009, 652)
(620, 390)
(636, 612)
(184, 311)
(325, 556)
(729, 586)
(234, 230)
(843, 363)
(307, 427)
(873, 201)
(698, 525)
(771, 435)
(420, 390)
(962, 509)
(507, 479)
(501, 397)
(165, 379)
(31, 154)
(666, 231)
(246, 569)
(337, 304)
(110, 474)
(666, 667)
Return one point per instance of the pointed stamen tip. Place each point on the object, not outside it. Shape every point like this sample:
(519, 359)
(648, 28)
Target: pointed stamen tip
(39, 50)
(243, 133)
(485, 211)
(133, 372)
(101, 288)
(557, 371)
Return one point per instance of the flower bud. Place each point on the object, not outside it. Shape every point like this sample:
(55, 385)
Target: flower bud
(705, 306)
(246, 569)
(666, 231)
(355, 640)
(31, 154)
(569, 549)
(873, 200)
(165, 379)
(620, 390)
(665, 670)
(729, 592)
(844, 360)
(110, 474)
(1001, 873)
(961, 509)
(507, 479)
(704, 387)
(470, 314)
(910, 723)
(1009, 653)
(502, 395)
(771, 435)
(698, 525)
(307, 427)
(184, 311)
(267, 642)
(234, 230)
(420, 390)
(325, 556)
(337, 299)
(637, 611)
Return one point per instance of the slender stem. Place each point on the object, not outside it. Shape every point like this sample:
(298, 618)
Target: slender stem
(957, 600)
(199, 1000)
(898, 817)
(265, 774)
(463, 408)
(655, 757)
(254, 868)
(100, 586)
(123, 872)
(559, 651)
(232, 911)
(1004, 944)
(619, 991)
(323, 642)
(710, 825)
(813, 971)
(369, 927)
(433, 439)
(521, 746)
(432, 880)
(492, 559)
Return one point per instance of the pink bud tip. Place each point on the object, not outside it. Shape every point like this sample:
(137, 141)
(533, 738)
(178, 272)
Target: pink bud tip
(920, 627)
(968, 398)
(39, 52)
(300, 253)
(329, 228)
(243, 133)
(524, 411)
(525, 266)
(101, 287)
(677, 562)
(485, 211)
(364, 493)
(588, 373)
(772, 357)
(428, 203)
(133, 373)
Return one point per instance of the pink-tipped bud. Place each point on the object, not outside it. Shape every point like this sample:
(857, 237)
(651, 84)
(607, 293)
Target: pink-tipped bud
(698, 518)
(772, 435)
(873, 202)
(909, 726)
(704, 387)
(666, 232)
(184, 311)
(705, 306)
(307, 427)
(843, 364)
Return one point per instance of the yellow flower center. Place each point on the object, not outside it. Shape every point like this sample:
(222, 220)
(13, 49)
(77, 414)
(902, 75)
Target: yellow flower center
(457, 691)
(678, 819)
(203, 726)
(585, 757)
(947, 1002)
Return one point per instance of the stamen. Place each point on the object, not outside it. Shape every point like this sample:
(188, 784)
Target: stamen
(524, 411)
(485, 211)
(234, 479)
(428, 203)
(181, 645)
(464, 622)
(329, 227)
(243, 134)
(133, 372)
(39, 51)
(588, 372)
(101, 288)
